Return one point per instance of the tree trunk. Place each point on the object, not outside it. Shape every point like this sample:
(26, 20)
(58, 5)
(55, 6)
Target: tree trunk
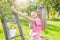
(59, 14)
(47, 11)
(42, 11)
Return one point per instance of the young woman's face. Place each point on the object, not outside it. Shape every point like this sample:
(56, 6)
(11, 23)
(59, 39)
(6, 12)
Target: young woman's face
(33, 15)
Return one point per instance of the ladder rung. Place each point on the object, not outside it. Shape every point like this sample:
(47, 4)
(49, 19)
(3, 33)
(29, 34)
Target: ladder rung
(15, 36)
(11, 20)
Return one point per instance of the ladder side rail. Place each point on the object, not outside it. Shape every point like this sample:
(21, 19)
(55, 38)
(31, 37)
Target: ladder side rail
(5, 28)
(19, 26)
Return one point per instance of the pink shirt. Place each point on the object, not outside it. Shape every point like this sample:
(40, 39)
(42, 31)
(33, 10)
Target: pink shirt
(37, 26)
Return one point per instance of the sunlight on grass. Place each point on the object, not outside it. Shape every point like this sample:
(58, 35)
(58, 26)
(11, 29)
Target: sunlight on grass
(52, 31)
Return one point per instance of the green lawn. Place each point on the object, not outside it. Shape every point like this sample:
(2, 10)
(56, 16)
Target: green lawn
(52, 31)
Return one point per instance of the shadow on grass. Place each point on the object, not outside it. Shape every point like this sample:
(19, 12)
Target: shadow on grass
(54, 19)
(53, 28)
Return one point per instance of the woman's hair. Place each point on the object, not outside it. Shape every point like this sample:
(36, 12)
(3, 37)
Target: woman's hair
(38, 14)
(32, 13)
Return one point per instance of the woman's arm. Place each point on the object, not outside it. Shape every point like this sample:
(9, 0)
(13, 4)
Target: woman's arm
(22, 15)
(26, 17)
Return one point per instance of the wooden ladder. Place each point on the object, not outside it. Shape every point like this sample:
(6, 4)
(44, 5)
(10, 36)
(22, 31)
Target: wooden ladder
(4, 22)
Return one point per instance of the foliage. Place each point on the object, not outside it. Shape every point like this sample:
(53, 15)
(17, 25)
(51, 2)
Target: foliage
(5, 7)
(53, 30)
(52, 3)
(30, 6)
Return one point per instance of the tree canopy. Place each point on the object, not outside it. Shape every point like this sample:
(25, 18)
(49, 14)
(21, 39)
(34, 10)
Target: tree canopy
(29, 5)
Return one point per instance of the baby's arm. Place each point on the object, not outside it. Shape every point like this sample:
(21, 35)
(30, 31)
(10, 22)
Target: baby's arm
(22, 15)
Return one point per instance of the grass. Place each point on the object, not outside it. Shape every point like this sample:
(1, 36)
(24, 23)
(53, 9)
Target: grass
(52, 31)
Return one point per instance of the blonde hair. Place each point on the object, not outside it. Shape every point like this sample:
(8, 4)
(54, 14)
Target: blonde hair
(32, 13)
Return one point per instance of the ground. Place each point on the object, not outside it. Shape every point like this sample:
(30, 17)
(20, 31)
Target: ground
(52, 31)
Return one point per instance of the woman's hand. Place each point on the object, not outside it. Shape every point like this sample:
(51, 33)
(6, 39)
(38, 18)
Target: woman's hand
(14, 10)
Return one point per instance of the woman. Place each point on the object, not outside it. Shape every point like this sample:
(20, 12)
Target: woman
(35, 25)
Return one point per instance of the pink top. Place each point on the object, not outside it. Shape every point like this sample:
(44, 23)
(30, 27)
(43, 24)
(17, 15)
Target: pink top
(37, 26)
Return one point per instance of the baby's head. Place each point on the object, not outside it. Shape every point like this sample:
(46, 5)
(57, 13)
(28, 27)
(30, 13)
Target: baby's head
(35, 14)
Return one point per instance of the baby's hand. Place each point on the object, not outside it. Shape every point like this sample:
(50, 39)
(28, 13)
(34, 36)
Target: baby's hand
(14, 27)
(31, 27)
